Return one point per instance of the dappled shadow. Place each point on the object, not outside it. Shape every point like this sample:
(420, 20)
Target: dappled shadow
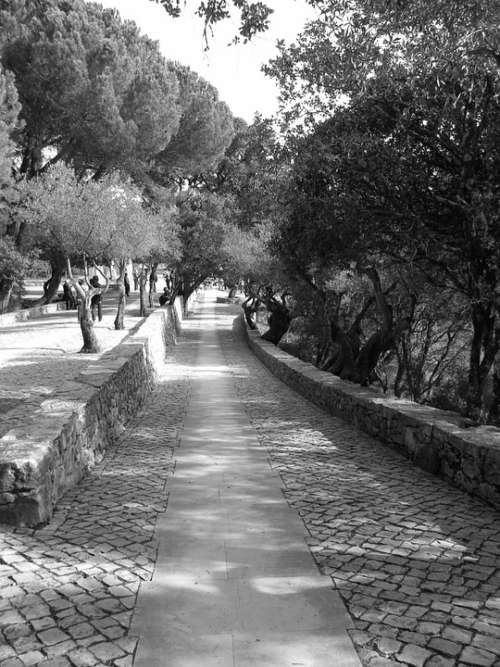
(260, 620)
(234, 575)
(81, 573)
(410, 554)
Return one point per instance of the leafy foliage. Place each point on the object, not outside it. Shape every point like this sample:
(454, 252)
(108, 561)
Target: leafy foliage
(393, 113)
(204, 220)
(13, 268)
(252, 171)
(205, 130)
(97, 94)
(9, 111)
(91, 87)
(102, 220)
(254, 16)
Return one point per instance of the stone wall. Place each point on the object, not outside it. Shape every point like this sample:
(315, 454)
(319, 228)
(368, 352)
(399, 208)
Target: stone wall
(433, 439)
(71, 430)
(30, 313)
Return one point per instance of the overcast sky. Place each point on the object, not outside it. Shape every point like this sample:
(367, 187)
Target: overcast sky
(233, 70)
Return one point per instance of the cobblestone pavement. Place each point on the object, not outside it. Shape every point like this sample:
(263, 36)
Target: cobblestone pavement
(416, 561)
(36, 355)
(67, 591)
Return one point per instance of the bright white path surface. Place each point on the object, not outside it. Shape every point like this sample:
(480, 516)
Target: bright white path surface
(235, 584)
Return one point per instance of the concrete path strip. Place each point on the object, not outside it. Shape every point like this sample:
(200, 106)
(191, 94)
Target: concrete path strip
(235, 584)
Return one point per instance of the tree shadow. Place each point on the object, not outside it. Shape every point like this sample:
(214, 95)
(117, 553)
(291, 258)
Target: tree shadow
(410, 554)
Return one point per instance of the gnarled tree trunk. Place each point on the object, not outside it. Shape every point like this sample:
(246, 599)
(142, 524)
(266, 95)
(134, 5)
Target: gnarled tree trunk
(345, 356)
(484, 347)
(279, 318)
(250, 307)
(90, 342)
(51, 287)
(494, 412)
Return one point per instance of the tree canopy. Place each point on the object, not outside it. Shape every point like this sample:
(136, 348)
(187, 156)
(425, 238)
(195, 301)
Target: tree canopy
(391, 115)
(83, 88)
(98, 95)
(204, 131)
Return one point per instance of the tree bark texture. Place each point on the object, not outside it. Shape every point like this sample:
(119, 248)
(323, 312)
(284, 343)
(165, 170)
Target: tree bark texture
(279, 319)
(484, 348)
(84, 296)
(342, 354)
(122, 299)
(90, 342)
(6, 286)
(143, 279)
(51, 287)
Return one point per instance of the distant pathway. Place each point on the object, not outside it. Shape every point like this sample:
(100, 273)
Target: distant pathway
(416, 562)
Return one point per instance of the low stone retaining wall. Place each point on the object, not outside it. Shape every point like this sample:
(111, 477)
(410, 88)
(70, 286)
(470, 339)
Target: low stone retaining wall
(71, 430)
(432, 439)
(24, 314)
(29, 313)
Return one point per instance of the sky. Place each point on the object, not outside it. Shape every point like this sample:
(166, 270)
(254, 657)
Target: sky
(233, 69)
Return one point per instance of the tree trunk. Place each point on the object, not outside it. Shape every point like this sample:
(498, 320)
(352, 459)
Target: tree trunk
(184, 292)
(32, 159)
(279, 321)
(494, 412)
(383, 340)
(6, 286)
(90, 343)
(122, 299)
(51, 287)
(250, 307)
(342, 353)
(143, 278)
(120, 312)
(482, 356)
(153, 277)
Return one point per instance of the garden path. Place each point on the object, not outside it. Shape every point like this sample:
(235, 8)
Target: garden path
(171, 530)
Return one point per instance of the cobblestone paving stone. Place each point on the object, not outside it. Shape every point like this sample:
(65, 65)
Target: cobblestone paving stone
(416, 561)
(68, 590)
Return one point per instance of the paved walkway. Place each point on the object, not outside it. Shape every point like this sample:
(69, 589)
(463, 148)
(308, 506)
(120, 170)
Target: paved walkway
(416, 562)
(235, 584)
